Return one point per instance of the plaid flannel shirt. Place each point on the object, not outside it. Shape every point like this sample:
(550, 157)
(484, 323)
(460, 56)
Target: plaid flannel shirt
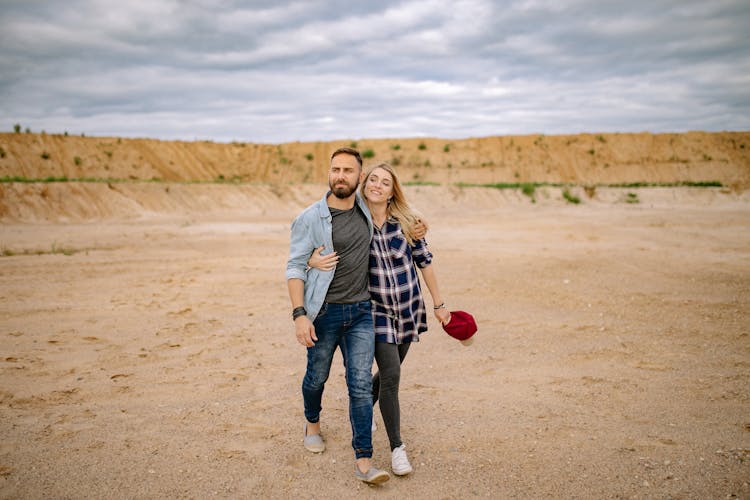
(398, 308)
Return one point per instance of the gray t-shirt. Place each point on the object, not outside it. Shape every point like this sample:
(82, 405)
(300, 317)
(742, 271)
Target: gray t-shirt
(351, 240)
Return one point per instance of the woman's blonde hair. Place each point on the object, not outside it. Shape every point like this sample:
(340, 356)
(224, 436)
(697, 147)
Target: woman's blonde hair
(398, 207)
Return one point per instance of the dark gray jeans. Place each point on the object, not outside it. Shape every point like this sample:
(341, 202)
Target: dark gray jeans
(385, 387)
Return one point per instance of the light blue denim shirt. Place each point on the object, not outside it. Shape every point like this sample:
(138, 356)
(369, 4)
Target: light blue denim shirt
(311, 229)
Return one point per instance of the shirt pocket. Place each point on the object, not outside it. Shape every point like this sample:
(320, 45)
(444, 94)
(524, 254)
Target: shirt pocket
(398, 249)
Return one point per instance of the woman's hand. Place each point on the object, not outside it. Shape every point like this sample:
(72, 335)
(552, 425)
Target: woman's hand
(443, 315)
(323, 262)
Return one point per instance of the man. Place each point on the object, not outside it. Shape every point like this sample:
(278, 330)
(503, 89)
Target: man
(331, 309)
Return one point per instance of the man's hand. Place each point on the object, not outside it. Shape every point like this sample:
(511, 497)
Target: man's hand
(419, 229)
(305, 331)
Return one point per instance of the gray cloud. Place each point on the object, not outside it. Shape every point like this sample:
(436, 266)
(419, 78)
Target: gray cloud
(274, 72)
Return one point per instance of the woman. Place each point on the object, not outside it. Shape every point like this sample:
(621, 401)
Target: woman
(398, 307)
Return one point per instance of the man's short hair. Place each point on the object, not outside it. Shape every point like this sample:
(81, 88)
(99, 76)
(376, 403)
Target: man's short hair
(348, 151)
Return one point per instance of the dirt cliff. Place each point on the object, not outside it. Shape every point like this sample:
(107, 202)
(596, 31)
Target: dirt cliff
(138, 177)
(575, 159)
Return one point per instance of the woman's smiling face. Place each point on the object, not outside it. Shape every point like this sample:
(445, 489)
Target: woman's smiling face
(379, 186)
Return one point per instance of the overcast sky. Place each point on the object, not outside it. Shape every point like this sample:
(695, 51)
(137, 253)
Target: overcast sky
(279, 71)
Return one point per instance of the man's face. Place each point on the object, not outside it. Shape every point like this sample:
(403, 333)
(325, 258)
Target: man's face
(343, 177)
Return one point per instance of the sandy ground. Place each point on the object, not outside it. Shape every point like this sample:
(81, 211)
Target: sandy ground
(156, 358)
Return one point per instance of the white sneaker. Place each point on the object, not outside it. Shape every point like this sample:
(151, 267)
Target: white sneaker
(399, 463)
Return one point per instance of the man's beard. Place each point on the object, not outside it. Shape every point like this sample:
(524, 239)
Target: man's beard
(343, 192)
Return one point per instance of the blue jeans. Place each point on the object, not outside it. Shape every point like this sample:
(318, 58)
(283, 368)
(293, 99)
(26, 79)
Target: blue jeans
(348, 327)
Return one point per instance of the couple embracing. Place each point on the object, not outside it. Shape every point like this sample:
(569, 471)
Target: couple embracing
(353, 285)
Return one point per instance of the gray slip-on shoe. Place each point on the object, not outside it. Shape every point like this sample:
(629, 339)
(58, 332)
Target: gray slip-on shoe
(372, 476)
(314, 443)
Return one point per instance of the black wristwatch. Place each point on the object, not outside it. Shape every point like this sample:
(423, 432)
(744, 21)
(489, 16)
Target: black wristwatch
(298, 311)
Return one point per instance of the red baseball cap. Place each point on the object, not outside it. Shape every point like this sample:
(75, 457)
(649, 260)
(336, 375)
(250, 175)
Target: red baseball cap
(461, 326)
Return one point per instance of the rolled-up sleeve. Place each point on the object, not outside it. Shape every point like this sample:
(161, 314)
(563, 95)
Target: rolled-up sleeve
(421, 254)
(300, 249)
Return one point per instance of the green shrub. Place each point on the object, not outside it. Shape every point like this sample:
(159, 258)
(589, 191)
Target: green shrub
(77, 160)
(396, 147)
(45, 155)
(571, 198)
(422, 146)
(309, 156)
(395, 161)
(601, 138)
(2, 153)
(447, 148)
(353, 144)
(529, 189)
(632, 198)
(17, 128)
(368, 153)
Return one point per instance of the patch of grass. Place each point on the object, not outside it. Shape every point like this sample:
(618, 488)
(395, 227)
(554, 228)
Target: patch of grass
(632, 198)
(77, 160)
(707, 157)
(396, 147)
(666, 184)
(529, 189)
(309, 157)
(54, 250)
(592, 152)
(108, 153)
(395, 161)
(422, 146)
(368, 153)
(220, 179)
(61, 250)
(601, 138)
(447, 148)
(570, 197)
(353, 144)
(701, 184)
(421, 183)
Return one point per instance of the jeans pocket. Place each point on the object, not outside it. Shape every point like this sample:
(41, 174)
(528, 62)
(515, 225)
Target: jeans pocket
(364, 307)
(323, 310)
